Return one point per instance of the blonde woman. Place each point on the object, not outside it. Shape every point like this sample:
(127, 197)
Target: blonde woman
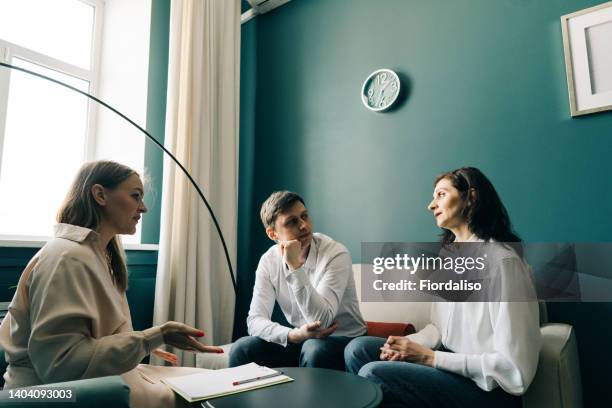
(69, 318)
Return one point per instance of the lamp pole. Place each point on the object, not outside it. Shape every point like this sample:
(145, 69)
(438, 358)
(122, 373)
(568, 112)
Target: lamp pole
(178, 163)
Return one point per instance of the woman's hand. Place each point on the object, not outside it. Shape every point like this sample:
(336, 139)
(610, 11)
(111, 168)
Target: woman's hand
(166, 356)
(181, 336)
(398, 348)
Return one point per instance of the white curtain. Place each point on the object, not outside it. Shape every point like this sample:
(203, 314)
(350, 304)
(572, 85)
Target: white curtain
(193, 283)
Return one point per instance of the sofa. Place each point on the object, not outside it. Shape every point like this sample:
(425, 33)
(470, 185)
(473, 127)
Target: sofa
(557, 382)
(100, 392)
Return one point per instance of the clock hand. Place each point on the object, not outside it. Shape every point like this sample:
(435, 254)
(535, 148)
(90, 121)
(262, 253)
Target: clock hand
(380, 90)
(386, 84)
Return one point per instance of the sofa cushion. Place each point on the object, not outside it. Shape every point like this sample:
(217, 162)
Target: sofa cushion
(384, 329)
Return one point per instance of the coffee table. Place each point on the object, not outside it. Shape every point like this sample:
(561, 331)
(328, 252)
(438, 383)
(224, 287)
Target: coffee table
(313, 387)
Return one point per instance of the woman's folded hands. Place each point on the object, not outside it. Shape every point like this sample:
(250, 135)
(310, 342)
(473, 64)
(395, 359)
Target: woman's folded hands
(398, 348)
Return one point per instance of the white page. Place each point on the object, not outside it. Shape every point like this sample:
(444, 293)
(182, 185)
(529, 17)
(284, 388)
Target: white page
(214, 382)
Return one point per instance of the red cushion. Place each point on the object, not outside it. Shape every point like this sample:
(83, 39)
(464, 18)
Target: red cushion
(382, 329)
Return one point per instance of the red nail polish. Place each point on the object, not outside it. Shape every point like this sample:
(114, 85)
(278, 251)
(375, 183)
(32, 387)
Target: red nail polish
(220, 351)
(200, 333)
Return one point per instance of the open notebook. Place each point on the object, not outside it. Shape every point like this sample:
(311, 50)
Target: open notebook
(217, 383)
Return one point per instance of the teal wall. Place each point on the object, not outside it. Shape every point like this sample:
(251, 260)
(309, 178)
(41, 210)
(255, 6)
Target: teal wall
(486, 87)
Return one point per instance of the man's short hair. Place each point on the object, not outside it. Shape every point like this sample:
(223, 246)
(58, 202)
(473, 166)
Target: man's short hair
(278, 203)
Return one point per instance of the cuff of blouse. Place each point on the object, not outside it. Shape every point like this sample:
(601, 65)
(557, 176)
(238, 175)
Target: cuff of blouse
(153, 338)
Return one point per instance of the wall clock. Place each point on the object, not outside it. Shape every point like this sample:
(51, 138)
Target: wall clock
(380, 90)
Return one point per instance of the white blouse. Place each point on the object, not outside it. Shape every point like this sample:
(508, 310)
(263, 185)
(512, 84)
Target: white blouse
(493, 343)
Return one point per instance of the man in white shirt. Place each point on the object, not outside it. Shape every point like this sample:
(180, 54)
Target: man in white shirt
(310, 276)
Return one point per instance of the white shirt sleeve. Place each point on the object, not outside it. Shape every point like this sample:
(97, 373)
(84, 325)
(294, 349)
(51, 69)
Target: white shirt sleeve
(429, 337)
(321, 303)
(259, 321)
(516, 340)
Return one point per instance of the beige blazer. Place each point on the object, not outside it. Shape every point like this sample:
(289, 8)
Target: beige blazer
(68, 321)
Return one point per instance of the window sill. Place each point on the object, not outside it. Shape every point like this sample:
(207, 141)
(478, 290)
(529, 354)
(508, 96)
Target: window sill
(39, 242)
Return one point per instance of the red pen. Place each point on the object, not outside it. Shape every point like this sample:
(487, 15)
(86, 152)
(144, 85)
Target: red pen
(263, 377)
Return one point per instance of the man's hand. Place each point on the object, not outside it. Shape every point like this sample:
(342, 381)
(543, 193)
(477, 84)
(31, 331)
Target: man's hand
(291, 251)
(398, 348)
(310, 331)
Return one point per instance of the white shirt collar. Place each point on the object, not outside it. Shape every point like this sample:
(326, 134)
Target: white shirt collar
(311, 259)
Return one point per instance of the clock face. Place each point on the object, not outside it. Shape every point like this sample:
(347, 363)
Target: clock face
(380, 90)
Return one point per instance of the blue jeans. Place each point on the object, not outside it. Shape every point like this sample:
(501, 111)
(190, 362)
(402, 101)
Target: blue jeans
(319, 353)
(413, 385)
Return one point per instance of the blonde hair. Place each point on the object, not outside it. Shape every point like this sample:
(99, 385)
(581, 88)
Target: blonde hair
(81, 209)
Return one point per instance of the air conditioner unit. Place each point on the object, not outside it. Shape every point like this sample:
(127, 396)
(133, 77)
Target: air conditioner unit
(263, 6)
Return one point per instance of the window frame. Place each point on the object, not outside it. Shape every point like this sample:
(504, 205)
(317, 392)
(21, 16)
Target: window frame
(9, 50)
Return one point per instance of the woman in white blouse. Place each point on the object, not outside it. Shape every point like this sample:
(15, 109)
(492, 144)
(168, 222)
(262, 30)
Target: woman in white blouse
(476, 354)
(69, 318)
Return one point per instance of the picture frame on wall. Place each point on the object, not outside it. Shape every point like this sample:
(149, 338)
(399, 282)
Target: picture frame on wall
(588, 58)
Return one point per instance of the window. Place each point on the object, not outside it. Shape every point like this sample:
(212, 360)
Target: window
(46, 130)
(60, 29)
(40, 116)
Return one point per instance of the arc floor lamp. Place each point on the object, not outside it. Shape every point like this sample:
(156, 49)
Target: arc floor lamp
(157, 143)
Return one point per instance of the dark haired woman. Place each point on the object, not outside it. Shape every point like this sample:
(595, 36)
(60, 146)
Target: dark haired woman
(475, 354)
(69, 318)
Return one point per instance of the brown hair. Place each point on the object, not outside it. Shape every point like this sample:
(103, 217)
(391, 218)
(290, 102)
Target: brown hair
(484, 213)
(277, 203)
(81, 209)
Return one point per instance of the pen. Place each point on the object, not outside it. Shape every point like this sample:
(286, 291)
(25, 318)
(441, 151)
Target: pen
(263, 377)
